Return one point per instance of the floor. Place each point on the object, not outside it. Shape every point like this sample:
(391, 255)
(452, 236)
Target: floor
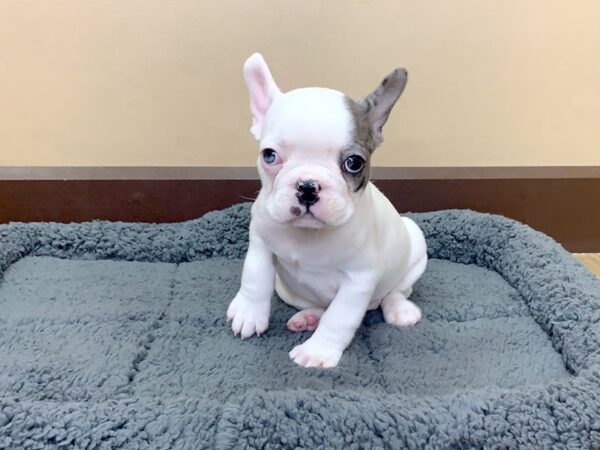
(591, 260)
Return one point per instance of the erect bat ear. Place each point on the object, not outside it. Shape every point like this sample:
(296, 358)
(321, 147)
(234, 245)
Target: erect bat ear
(262, 89)
(379, 103)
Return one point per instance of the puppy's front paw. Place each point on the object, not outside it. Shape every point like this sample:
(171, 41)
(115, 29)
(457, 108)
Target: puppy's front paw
(313, 353)
(248, 317)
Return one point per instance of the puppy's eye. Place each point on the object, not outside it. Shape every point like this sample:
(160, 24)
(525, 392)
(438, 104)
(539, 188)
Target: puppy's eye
(270, 156)
(354, 164)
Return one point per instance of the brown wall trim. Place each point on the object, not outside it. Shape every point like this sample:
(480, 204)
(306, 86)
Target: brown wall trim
(565, 208)
(250, 173)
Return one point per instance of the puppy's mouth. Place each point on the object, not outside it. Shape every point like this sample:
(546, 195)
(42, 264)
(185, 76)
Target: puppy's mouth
(304, 217)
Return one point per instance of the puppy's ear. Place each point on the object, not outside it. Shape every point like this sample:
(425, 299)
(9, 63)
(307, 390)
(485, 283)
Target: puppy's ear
(379, 103)
(262, 88)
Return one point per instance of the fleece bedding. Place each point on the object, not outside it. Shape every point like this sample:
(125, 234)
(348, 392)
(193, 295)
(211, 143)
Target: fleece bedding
(113, 335)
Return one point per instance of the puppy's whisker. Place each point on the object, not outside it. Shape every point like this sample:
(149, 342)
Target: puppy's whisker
(247, 198)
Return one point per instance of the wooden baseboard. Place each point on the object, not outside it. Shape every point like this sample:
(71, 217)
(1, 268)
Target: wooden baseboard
(250, 173)
(565, 208)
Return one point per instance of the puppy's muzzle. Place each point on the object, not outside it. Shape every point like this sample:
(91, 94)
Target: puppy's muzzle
(308, 192)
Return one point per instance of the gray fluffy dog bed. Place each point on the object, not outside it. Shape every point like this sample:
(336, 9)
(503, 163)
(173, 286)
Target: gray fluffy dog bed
(113, 335)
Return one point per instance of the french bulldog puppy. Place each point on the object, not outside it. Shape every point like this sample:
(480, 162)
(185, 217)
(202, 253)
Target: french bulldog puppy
(321, 234)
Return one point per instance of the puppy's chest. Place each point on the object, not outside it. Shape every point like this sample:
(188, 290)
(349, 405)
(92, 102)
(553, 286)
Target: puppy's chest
(309, 274)
(310, 270)
(313, 282)
(308, 263)
(306, 252)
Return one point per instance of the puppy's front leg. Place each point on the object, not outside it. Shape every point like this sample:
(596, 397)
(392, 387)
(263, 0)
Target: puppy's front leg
(337, 325)
(249, 310)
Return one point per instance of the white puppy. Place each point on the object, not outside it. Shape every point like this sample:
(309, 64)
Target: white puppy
(324, 237)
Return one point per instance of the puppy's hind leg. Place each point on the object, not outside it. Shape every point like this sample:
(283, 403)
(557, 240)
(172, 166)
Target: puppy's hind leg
(412, 276)
(397, 309)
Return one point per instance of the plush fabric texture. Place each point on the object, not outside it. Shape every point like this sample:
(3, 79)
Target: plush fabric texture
(113, 335)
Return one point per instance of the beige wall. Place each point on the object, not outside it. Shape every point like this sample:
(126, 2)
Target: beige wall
(149, 82)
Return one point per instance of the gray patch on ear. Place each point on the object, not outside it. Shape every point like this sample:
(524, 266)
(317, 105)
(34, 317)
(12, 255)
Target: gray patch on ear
(368, 118)
(378, 104)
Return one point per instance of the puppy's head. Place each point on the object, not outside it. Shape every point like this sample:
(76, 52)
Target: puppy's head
(315, 145)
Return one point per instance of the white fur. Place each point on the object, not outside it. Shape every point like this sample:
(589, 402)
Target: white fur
(307, 127)
(353, 254)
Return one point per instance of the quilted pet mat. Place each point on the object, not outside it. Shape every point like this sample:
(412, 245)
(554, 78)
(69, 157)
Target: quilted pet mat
(113, 335)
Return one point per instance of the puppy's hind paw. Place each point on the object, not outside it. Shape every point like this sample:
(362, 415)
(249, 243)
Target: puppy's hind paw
(305, 320)
(399, 311)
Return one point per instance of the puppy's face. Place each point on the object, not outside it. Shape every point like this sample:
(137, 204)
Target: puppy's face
(315, 145)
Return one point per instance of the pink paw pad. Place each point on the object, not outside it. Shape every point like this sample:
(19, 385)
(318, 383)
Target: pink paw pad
(304, 321)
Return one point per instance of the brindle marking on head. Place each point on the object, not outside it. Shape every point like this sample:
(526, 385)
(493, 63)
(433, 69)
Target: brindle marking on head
(363, 144)
(361, 185)
(363, 131)
(368, 117)
(355, 181)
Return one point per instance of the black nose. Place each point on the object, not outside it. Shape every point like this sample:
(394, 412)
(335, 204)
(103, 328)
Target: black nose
(307, 192)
